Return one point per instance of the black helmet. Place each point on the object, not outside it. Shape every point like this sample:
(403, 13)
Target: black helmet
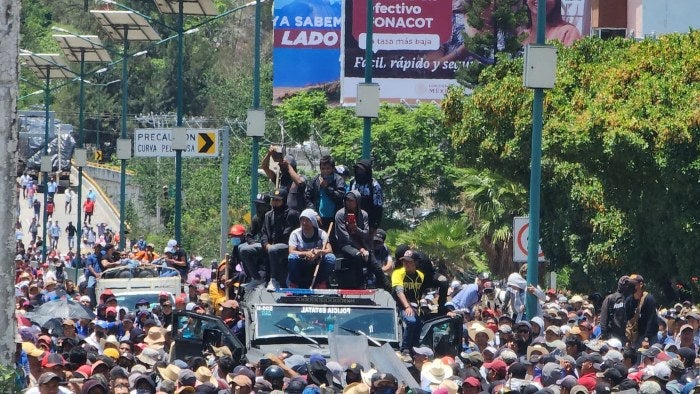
(274, 375)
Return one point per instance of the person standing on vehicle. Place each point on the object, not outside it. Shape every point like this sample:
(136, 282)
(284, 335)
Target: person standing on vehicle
(93, 270)
(407, 284)
(325, 192)
(179, 259)
(277, 227)
(613, 317)
(371, 196)
(251, 251)
(290, 179)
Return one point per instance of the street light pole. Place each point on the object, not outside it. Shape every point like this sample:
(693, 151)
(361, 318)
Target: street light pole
(367, 121)
(180, 109)
(122, 173)
(47, 103)
(81, 141)
(255, 149)
(535, 177)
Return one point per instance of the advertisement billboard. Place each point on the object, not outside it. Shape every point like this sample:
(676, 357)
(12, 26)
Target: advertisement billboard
(306, 48)
(418, 44)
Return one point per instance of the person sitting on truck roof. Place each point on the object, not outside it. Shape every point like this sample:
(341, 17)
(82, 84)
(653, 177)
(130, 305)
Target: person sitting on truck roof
(309, 247)
(351, 234)
(250, 251)
(277, 227)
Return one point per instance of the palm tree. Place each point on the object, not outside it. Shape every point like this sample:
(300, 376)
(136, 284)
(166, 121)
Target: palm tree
(490, 201)
(450, 243)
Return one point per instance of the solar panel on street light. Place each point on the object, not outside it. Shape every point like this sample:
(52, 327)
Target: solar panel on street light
(47, 65)
(91, 46)
(117, 23)
(189, 7)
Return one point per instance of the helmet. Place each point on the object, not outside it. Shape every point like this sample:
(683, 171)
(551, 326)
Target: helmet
(273, 372)
(236, 230)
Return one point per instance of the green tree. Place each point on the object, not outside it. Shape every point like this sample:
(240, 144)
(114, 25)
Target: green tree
(451, 242)
(492, 28)
(620, 154)
(491, 201)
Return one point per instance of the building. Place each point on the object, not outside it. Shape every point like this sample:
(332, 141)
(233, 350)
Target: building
(643, 18)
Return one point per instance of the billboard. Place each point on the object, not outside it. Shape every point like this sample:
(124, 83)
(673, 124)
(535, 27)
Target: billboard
(306, 46)
(418, 44)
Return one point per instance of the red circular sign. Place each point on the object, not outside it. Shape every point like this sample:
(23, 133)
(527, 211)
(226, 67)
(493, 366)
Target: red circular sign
(522, 238)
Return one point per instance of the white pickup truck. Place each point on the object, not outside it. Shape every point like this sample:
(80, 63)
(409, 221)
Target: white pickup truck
(130, 284)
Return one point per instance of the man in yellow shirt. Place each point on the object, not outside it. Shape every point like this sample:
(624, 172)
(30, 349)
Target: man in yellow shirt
(407, 283)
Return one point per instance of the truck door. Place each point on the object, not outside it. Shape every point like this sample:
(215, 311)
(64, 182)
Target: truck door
(193, 333)
(443, 335)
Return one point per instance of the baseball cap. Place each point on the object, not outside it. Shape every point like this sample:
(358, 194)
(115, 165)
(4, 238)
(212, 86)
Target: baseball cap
(279, 194)
(409, 255)
(46, 377)
(355, 368)
(423, 351)
(497, 365)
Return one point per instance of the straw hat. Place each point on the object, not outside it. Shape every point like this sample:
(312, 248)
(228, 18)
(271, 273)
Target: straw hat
(476, 328)
(170, 372)
(203, 374)
(155, 338)
(436, 371)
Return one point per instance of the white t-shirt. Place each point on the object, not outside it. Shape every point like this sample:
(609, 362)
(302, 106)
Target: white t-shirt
(296, 240)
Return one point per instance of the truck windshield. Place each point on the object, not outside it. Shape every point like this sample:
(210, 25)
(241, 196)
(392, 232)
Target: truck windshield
(319, 320)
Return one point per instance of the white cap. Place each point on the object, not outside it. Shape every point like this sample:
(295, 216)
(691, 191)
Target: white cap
(190, 306)
(614, 343)
(198, 258)
(172, 243)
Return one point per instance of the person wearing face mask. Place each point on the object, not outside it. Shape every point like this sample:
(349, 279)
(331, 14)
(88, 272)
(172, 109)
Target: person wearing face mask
(250, 251)
(277, 227)
(236, 268)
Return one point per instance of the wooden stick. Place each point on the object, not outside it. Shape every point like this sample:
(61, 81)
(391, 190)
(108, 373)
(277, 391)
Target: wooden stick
(320, 260)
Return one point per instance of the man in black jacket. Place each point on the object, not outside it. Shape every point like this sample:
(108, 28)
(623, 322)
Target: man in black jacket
(250, 251)
(613, 317)
(646, 318)
(277, 226)
(371, 196)
(324, 194)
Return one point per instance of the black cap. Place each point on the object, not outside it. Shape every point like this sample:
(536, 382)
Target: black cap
(261, 198)
(279, 194)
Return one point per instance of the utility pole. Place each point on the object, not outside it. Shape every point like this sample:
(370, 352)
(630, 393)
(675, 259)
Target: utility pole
(9, 77)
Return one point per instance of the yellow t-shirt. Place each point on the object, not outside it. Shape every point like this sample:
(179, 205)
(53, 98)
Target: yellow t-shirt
(411, 283)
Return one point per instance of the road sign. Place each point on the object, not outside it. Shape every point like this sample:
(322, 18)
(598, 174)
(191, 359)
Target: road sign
(157, 143)
(98, 156)
(206, 143)
(521, 229)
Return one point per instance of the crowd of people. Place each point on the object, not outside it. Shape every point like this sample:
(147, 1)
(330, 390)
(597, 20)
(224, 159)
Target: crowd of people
(326, 233)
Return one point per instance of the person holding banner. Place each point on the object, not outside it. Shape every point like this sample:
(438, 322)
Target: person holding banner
(556, 27)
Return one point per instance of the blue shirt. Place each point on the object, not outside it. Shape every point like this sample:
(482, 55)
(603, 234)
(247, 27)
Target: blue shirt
(326, 206)
(467, 297)
(51, 187)
(92, 261)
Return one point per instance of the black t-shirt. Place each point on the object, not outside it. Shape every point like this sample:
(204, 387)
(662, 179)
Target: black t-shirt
(181, 256)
